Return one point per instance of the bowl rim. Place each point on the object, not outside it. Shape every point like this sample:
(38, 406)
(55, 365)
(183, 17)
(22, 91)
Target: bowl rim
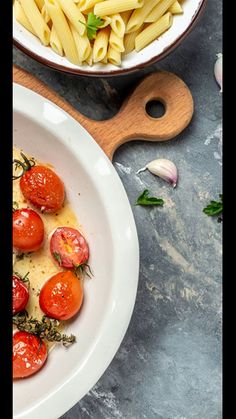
(119, 72)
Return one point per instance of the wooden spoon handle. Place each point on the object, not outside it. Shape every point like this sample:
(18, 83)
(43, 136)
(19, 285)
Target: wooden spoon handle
(132, 121)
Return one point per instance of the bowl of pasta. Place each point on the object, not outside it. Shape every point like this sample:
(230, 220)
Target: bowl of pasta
(102, 38)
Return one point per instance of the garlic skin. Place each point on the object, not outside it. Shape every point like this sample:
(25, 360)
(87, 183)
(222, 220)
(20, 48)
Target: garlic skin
(163, 168)
(218, 70)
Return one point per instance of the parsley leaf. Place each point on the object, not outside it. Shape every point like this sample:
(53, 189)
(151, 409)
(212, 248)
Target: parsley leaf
(92, 25)
(214, 208)
(145, 199)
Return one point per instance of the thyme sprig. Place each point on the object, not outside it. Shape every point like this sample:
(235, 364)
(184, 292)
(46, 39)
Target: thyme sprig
(22, 166)
(46, 328)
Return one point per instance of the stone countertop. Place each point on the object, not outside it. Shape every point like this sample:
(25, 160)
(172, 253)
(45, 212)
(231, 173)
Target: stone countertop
(169, 363)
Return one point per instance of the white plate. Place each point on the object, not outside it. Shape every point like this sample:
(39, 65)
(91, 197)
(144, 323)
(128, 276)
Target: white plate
(48, 133)
(131, 62)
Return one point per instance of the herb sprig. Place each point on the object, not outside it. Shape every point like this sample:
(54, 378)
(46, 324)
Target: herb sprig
(45, 329)
(22, 166)
(215, 208)
(145, 199)
(92, 25)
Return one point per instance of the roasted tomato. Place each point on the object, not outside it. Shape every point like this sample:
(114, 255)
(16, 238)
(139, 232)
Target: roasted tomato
(61, 296)
(20, 294)
(68, 247)
(29, 354)
(28, 230)
(43, 188)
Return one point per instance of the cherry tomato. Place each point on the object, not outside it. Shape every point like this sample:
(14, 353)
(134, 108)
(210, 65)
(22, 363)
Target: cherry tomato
(20, 294)
(61, 296)
(29, 354)
(68, 247)
(28, 230)
(43, 188)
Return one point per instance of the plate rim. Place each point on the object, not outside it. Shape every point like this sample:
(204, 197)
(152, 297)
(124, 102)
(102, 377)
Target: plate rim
(48, 403)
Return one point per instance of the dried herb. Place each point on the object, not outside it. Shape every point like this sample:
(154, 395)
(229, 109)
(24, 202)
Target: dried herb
(45, 328)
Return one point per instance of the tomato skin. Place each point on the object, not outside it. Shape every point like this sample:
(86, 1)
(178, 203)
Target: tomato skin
(29, 354)
(61, 296)
(71, 247)
(28, 230)
(43, 188)
(20, 294)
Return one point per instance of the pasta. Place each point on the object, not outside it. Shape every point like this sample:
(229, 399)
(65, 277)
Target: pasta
(36, 20)
(22, 18)
(153, 31)
(159, 10)
(97, 31)
(63, 30)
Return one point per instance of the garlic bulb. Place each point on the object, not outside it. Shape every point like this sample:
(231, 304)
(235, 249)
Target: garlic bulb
(163, 168)
(218, 70)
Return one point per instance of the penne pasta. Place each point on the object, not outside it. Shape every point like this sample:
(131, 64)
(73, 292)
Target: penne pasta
(129, 40)
(85, 5)
(176, 8)
(40, 4)
(63, 30)
(117, 25)
(55, 42)
(96, 31)
(82, 44)
(113, 56)
(36, 20)
(100, 45)
(74, 15)
(159, 10)
(139, 15)
(45, 14)
(22, 18)
(111, 7)
(152, 32)
(116, 42)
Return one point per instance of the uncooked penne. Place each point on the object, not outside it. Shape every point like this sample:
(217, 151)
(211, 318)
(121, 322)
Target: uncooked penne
(100, 45)
(36, 20)
(63, 30)
(113, 56)
(139, 15)
(74, 15)
(159, 11)
(111, 7)
(55, 42)
(22, 18)
(152, 32)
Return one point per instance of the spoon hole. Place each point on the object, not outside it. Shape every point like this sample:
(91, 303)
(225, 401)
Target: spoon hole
(155, 108)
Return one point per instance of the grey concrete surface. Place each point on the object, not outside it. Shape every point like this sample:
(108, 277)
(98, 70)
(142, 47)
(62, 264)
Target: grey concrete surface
(169, 363)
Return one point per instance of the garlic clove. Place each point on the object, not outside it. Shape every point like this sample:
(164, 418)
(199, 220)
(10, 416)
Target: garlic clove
(165, 169)
(218, 70)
